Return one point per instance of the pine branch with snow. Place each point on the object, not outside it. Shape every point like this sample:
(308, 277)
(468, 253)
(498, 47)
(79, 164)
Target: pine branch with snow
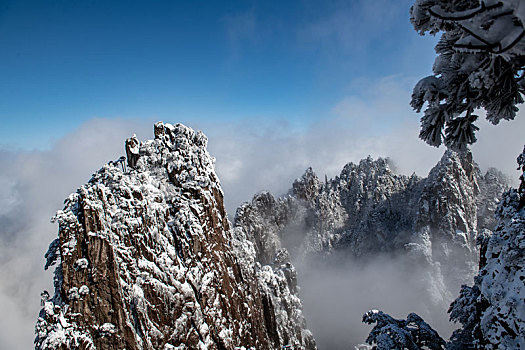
(481, 55)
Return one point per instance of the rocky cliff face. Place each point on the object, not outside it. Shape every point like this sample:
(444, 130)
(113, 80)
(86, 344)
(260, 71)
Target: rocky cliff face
(146, 259)
(492, 311)
(369, 210)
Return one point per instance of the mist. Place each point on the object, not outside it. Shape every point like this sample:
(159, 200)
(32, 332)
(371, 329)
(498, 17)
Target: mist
(336, 293)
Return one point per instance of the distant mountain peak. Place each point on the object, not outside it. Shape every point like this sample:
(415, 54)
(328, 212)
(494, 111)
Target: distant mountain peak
(368, 209)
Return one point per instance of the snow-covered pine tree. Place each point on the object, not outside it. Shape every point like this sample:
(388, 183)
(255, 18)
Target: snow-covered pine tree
(465, 310)
(393, 334)
(481, 55)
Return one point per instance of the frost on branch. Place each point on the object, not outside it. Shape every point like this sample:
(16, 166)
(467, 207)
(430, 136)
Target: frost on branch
(481, 55)
(390, 333)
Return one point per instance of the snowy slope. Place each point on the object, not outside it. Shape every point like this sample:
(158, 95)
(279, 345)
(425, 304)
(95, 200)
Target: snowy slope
(492, 311)
(502, 282)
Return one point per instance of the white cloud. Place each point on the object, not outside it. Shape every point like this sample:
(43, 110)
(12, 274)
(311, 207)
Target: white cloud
(35, 185)
(350, 26)
(336, 295)
(499, 145)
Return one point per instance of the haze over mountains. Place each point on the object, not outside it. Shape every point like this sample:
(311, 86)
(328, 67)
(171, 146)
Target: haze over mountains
(371, 238)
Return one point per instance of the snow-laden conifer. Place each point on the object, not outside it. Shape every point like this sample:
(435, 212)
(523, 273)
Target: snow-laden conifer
(481, 55)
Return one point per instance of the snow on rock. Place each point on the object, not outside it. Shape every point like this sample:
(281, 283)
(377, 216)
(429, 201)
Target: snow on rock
(448, 214)
(146, 260)
(492, 311)
(369, 210)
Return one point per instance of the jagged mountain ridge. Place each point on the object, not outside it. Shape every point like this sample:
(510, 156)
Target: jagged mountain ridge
(369, 209)
(146, 259)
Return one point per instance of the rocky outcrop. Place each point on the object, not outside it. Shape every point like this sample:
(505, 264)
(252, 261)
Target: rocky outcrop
(146, 259)
(491, 187)
(446, 222)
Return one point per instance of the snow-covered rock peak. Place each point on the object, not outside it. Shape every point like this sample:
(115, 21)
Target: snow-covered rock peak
(146, 260)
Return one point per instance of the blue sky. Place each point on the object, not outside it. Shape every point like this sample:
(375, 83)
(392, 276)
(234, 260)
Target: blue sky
(65, 62)
(277, 86)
